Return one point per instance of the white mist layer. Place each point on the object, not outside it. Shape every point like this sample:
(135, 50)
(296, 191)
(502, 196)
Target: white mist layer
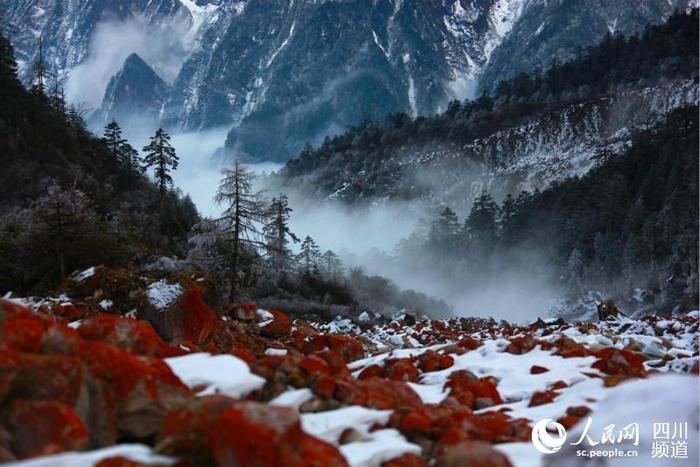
(162, 47)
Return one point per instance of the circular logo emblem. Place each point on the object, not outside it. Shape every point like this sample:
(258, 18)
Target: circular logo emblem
(544, 441)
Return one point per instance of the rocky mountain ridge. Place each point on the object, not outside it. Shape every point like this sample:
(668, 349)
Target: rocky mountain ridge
(285, 73)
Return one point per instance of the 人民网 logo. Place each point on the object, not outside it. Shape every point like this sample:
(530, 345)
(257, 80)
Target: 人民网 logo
(546, 442)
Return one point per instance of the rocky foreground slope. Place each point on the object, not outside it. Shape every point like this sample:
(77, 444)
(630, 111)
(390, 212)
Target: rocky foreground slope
(119, 369)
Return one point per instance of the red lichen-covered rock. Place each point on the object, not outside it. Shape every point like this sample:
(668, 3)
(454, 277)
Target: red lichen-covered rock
(432, 361)
(401, 369)
(523, 344)
(407, 460)
(244, 311)
(220, 431)
(372, 371)
(315, 365)
(469, 343)
(278, 326)
(415, 422)
(558, 385)
(133, 335)
(324, 386)
(43, 427)
(542, 397)
(537, 370)
(569, 348)
(177, 312)
(377, 393)
(350, 349)
(336, 364)
(119, 461)
(24, 331)
(470, 453)
(471, 391)
(143, 389)
(620, 363)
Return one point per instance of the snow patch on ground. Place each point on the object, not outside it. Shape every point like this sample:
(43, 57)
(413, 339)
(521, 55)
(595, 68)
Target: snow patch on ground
(219, 374)
(133, 452)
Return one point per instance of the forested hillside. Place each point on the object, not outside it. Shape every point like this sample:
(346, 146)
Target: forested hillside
(67, 201)
(580, 110)
(585, 174)
(628, 229)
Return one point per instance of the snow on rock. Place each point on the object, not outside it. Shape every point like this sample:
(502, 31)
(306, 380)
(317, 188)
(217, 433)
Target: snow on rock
(293, 398)
(382, 446)
(265, 318)
(132, 452)
(330, 425)
(162, 294)
(106, 304)
(220, 374)
(85, 274)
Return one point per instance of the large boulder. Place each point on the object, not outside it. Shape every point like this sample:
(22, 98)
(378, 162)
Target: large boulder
(220, 431)
(175, 309)
(43, 427)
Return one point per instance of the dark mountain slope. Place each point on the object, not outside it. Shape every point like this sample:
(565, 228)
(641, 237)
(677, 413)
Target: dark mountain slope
(64, 196)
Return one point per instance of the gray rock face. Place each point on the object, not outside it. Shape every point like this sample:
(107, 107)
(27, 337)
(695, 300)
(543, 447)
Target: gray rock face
(285, 72)
(135, 94)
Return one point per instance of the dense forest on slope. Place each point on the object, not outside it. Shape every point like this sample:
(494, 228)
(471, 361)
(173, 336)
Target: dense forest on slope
(630, 223)
(663, 53)
(67, 202)
(627, 228)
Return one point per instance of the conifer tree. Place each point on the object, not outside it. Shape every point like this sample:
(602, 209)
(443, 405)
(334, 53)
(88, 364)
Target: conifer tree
(244, 211)
(277, 234)
(309, 257)
(160, 154)
(481, 225)
(112, 138)
(331, 264)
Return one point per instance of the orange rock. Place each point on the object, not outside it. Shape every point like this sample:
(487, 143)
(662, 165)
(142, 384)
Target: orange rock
(220, 431)
(133, 335)
(387, 394)
(119, 461)
(469, 343)
(523, 344)
(314, 365)
(407, 460)
(372, 371)
(415, 422)
(401, 369)
(280, 325)
(620, 363)
(472, 391)
(470, 453)
(350, 349)
(324, 386)
(536, 370)
(44, 427)
(542, 397)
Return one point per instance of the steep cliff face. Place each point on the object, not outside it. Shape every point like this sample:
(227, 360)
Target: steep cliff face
(542, 149)
(283, 73)
(134, 95)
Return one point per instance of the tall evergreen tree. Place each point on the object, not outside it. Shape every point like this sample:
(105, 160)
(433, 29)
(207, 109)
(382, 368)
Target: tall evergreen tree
(481, 225)
(331, 265)
(112, 137)
(277, 235)
(8, 64)
(244, 212)
(309, 257)
(160, 154)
